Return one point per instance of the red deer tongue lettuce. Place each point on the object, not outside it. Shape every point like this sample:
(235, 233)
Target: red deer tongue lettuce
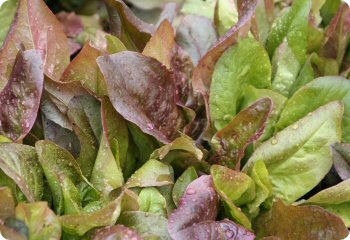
(35, 27)
(142, 90)
(196, 214)
(20, 99)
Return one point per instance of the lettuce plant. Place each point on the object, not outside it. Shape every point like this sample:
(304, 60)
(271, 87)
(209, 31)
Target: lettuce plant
(218, 119)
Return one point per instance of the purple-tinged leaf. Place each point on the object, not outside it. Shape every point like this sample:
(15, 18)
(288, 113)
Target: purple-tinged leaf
(10, 233)
(61, 93)
(336, 39)
(196, 214)
(116, 232)
(162, 44)
(196, 35)
(20, 163)
(72, 23)
(237, 186)
(169, 13)
(203, 73)
(133, 32)
(341, 159)
(84, 69)
(248, 125)
(308, 222)
(142, 90)
(59, 135)
(35, 27)
(20, 99)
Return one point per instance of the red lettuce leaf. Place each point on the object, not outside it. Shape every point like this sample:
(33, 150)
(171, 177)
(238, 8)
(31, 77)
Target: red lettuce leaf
(142, 90)
(230, 142)
(133, 32)
(203, 72)
(196, 214)
(308, 222)
(116, 232)
(20, 99)
(337, 35)
(35, 27)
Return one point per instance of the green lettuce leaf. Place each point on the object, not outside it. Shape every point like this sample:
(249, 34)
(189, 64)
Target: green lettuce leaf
(245, 63)
(298, 157)
(20, 163)
(314, 95)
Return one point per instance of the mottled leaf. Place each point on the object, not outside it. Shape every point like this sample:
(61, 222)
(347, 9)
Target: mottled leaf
(152, 173)
(84, 69)
(107, 173)
(196, 214)
(309, 222)
(285, 69)
(292, 25)
(20, 99)
(35, 27)
(245, 63)
(20, 163)
(298, 157)
(116, 232)
(62, 173)
(142, 91)
(41, 221)
(246, 127)
(252, 94)
(237, 186)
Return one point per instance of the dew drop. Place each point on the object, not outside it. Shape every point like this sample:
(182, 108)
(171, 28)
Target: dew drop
(229, 233)
(274, 141)
(191, 191)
